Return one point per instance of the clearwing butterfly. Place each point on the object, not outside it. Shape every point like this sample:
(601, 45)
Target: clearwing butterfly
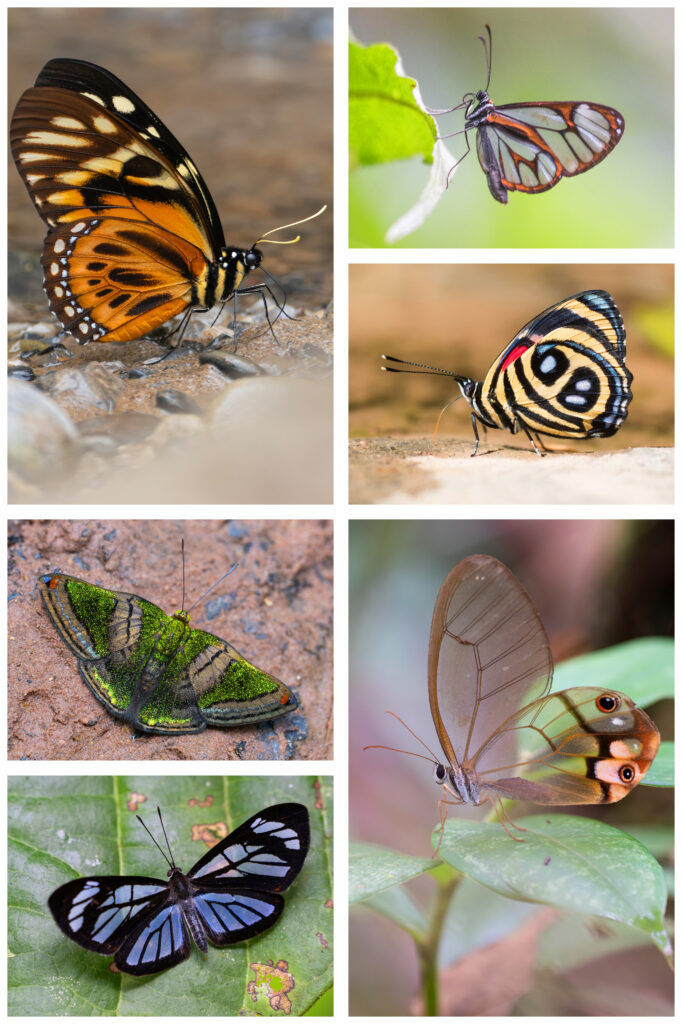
(504, 734)
(231, 894)
(563, 374)
(154, 670)
(134, 235)
(529, 147)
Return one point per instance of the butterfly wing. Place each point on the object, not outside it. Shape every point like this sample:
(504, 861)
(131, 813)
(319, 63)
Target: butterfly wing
(238, 881)
(529, 147)
(564, 373)
(579, 746)
(264, 853)
(488, 656)
(133, 226)
(86, 145)
(130, 653)
(229, 689)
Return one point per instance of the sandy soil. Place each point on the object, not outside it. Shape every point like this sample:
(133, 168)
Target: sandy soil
(415, 470)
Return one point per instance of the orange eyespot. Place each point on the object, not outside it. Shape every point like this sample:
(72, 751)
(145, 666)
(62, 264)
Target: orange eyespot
(53, 583)
(626, 773)
(284, 699)
(608, 702)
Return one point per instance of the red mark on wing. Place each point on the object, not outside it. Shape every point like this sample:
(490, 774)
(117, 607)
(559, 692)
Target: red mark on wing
(514, 354)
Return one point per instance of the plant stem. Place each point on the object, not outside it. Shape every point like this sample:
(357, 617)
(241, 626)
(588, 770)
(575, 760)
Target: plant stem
(427, 948)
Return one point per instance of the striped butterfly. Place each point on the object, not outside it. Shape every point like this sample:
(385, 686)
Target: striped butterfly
(563, 374)
(230, 895)
(529, 147)
(134, 235)
(503, 733)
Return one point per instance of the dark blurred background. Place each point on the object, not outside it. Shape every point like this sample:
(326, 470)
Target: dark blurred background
(595, 583)
(247, 92)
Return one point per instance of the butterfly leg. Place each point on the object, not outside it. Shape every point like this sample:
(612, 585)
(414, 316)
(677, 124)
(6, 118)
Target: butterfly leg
(530, 438)
(443, 814)
(262, 288)
(502, 816)
(475, 428)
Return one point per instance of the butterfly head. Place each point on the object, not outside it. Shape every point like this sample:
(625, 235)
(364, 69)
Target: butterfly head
(181, 616)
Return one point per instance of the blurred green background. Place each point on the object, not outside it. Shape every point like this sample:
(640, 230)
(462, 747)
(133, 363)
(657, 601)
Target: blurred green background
(621, 57)
(595, 583)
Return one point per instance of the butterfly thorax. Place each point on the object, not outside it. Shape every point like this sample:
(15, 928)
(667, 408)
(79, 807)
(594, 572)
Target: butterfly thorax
(223, 277)
(462, 784)
(472, 390)
(179, 884)
(479, 108)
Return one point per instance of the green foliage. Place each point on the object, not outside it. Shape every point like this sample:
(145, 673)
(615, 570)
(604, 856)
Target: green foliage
(385, 121)
(567, 862)
(657, 323)
(63, 827)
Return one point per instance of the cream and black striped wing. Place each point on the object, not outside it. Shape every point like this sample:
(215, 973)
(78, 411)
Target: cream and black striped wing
(564, 373)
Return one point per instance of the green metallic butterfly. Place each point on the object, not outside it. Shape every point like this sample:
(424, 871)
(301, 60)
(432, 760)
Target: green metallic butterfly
(153, 670)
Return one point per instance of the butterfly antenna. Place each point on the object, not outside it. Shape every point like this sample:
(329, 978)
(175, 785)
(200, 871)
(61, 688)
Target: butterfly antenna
(423, 368)
(213, 587)
(488, 47)
(379, 746)
(283, 227)
(182, 552)
(170, 863)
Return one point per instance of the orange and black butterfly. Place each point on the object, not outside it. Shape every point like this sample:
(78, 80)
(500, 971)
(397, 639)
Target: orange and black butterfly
(135, 236)
(529, 147)
(563, 374)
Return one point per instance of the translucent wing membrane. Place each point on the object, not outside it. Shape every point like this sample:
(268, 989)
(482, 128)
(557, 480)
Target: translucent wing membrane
(488, 655)
(503, 733)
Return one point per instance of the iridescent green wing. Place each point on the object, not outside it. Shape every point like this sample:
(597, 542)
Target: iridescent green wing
(229, 689)
(130, 653)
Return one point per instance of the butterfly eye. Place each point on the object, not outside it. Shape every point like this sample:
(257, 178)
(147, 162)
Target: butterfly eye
(438, 772)
(252, 258)
(626, 773)
(607, 702)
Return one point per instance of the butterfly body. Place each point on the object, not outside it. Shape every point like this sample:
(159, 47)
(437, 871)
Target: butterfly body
(231, 894)
(154, 670)
(504, 734)
(135, 236)
(562, 375)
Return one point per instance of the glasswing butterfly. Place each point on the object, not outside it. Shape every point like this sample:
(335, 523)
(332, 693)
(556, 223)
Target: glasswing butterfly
(529, 147)
(563, 374)
(231, 894)
(504, 733)
(134, 235)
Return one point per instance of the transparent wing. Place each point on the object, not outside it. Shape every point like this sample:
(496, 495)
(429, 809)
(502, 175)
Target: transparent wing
(488, 656)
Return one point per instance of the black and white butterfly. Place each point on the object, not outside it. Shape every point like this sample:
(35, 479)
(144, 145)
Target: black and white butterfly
(231, 894)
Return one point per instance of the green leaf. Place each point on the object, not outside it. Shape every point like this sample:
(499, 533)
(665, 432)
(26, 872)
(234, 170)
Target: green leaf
(566, 862)
(385, 121)
(64, 826)
(662, 771)
(372, 869)
(642, 669)
(397, 905)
